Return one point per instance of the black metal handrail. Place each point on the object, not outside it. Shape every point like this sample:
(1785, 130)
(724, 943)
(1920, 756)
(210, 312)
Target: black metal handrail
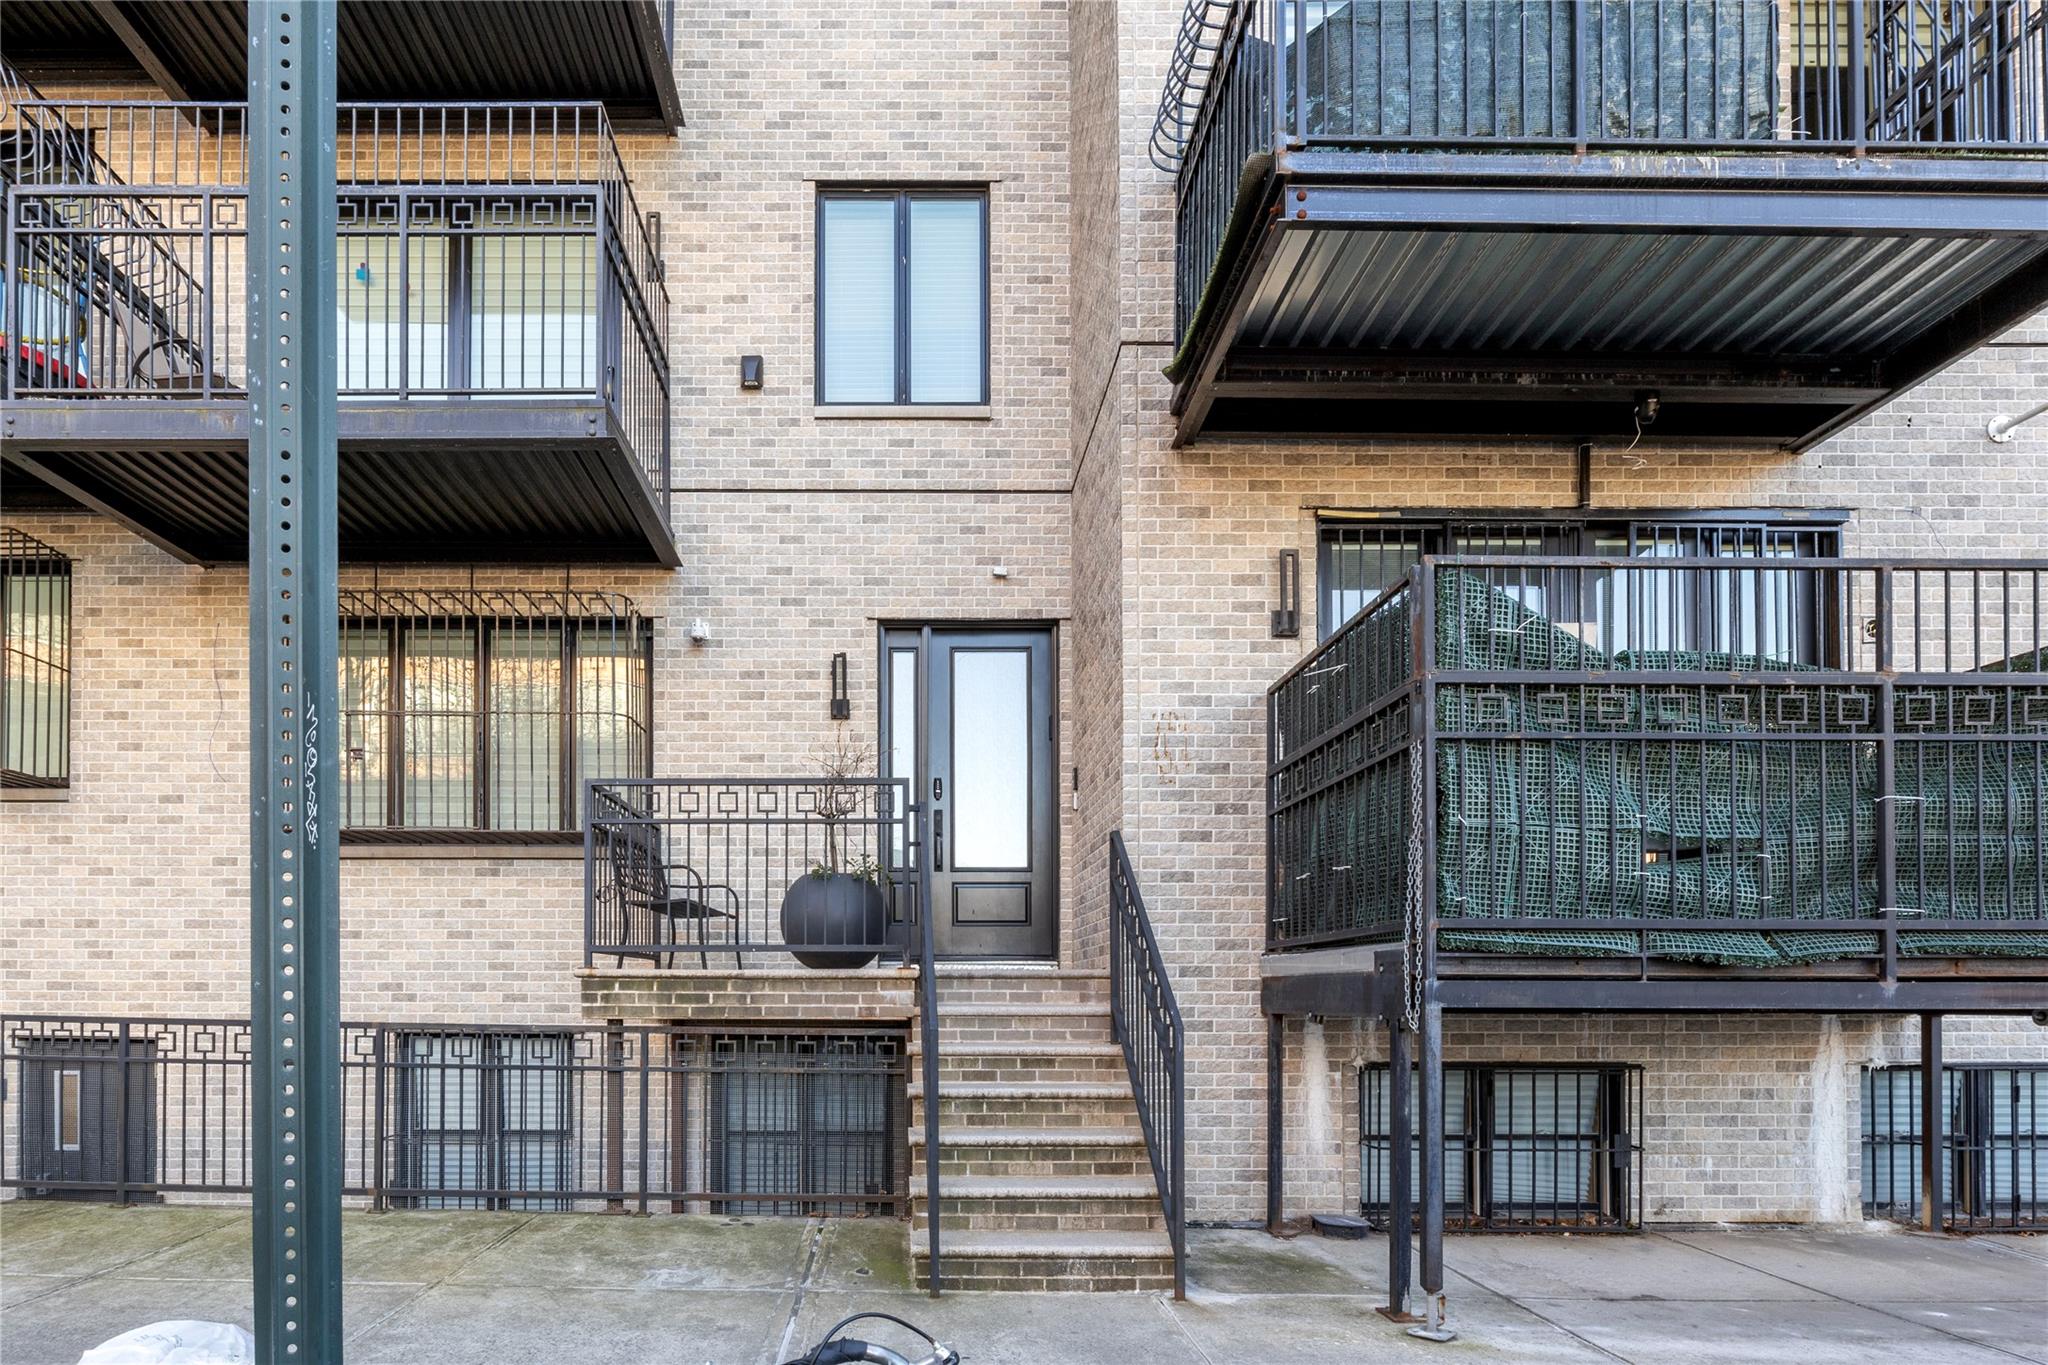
(545, 1116)
(1145, 1019)
(1956, 76)
(1810, 758)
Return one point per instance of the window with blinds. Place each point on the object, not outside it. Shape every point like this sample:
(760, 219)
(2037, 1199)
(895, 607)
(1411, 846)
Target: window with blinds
(1777, 615)
(902, 297)
(1524, 1147)
(1994, 1167)
(35, 673)
(483, 713)
(487, 1120)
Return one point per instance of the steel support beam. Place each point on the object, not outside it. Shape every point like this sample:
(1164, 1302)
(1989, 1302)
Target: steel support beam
(1933, 1122)
(1431, 1078)
(1400, 1169)
(295, 951)
(1276, 1125)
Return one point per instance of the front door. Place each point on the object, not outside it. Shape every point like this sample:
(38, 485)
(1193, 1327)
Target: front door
(986, 748)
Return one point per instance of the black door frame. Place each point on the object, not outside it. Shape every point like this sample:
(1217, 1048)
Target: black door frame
(921, 783)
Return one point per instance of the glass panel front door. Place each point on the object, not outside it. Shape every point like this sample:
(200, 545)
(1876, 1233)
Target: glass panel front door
(988, 772)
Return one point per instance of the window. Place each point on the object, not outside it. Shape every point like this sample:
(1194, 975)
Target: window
(1995, 1168)
(817, 1117)
(486, 712)
(64, 1106)
(902, 297)
(439, 296)
(35, 681)
(486, 1120)
(1524, 1147)
(1778, 615)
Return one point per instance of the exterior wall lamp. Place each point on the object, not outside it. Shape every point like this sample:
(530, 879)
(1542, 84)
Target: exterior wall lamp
(842, 707)
(750, 372)
(1287, 616)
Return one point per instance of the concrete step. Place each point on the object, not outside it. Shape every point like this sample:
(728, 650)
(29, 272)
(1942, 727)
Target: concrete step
(1021, 988)
(1025, 1107)
(1017, 1061)
(968, 1027)
(1076, 1204)
(1127, 1261)
(1015, 1153)
(951, 1089)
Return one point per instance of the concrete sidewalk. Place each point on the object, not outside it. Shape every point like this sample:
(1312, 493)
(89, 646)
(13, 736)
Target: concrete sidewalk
(549, 1289)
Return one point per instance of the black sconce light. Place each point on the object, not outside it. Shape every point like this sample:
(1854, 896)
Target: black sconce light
(1287, 616)
(750, 372)
(842, 709)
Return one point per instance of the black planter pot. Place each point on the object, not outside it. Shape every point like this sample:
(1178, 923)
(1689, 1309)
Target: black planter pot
(835, 908)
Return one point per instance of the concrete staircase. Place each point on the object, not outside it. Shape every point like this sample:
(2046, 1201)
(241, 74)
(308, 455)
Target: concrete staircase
(1044, 1182)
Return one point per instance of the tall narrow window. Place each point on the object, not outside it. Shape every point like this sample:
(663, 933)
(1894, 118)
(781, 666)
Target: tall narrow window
(902, 297)
(35, 679)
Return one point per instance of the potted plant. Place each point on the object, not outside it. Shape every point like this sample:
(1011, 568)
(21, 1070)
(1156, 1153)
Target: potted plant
(839, 900)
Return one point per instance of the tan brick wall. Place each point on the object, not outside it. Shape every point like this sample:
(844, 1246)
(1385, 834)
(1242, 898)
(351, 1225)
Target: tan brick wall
(1207, 522)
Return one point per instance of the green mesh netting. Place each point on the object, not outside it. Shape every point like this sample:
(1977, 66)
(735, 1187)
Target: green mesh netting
(1695, 815)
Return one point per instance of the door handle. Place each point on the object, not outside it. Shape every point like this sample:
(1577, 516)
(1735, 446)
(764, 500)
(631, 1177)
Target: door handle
(938, 841)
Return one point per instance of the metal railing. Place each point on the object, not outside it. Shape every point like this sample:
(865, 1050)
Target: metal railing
(549, 1117)
(1145, 1019)
(1994, 1152)
(1754, 761)
(732, 868)
(1846, 77)
(487, 252)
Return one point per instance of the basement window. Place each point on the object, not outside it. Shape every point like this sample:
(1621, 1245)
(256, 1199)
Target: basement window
(1525, 1147)
(35, 680)
(1994, 1168)
(487, 1120)
(805, 1124)
(477, 716)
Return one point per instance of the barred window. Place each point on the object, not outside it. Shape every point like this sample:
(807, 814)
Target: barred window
(1524, 1146)
(487, 1120)
(35, 682)
(483, 713)
(817, 1118)
(1994, 1168)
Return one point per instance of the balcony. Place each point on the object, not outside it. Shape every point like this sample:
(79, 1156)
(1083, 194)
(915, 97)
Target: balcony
(620, 52)
(1746, 222)
(502, 329)
(1821, 781)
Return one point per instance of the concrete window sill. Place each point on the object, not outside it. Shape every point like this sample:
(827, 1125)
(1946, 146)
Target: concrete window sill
(901, 412)
(35, 793)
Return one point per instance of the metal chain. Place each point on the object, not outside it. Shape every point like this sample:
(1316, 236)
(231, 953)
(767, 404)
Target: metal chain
(1411, 936)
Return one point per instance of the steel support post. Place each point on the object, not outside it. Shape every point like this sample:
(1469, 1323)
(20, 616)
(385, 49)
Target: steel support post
(294, 889)
(1276, 1127)
(1933, 1123)
(1400, 1169)
(1432, 1327)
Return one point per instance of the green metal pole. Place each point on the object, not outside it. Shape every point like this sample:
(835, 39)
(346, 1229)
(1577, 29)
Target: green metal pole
(294, 874)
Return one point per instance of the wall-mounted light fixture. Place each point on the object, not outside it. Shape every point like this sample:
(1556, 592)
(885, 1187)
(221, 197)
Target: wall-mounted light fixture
(1287, 616)
(842, 707)
(700, 631)
(750, 372)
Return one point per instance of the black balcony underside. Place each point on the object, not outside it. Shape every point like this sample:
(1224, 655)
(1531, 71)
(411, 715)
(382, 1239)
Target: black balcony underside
(1759, 301)
(1366, 983)
(611, 50)
(460, 481)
